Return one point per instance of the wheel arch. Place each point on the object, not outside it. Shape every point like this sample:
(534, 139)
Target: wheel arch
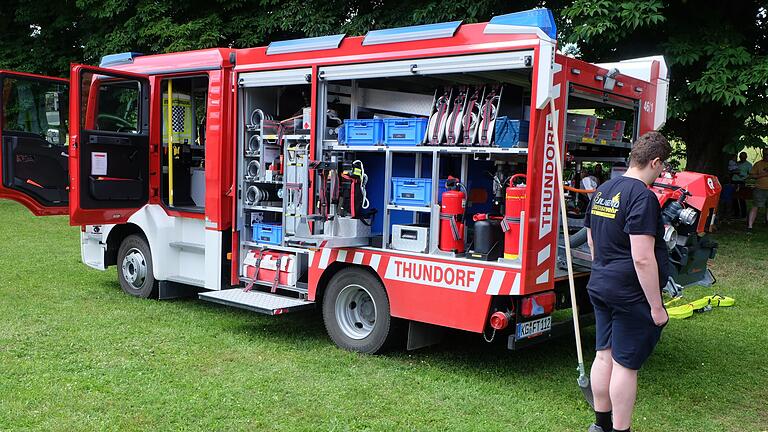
(115, 238)
(336, 267)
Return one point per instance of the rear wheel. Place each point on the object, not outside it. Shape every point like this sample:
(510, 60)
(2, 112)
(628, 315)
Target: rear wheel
(356, 311)
(134, 271)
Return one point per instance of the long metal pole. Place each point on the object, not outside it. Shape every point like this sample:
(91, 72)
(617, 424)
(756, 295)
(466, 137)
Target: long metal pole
(583, 380)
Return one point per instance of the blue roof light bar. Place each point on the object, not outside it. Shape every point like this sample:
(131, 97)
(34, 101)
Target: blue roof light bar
(305, 44)
(521, 22)
(118, 59)
(413, 33)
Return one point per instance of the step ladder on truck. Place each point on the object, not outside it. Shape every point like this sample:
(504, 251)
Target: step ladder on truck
(404, 176)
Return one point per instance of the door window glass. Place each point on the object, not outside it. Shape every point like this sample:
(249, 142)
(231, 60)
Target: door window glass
(110, 105)
(36, 107)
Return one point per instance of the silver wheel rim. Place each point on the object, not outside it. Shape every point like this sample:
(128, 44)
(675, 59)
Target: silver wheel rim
(134, 268)
(355, 311)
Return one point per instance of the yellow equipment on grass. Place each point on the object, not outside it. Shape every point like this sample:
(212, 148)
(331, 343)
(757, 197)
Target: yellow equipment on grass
(703, 304)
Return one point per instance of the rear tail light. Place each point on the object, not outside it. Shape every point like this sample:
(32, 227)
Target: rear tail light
(539, 304)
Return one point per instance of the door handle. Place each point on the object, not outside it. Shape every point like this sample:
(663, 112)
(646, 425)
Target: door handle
(114, 141)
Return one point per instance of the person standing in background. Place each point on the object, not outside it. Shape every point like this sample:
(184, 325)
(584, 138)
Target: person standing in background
(599, 173)
(739, 178)
(759, 172)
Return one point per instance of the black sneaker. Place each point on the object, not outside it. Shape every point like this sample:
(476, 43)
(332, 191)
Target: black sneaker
(595, 428)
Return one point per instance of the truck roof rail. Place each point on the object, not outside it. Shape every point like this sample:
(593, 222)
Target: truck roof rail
(118, 59)
(305, 44)
(411, 33)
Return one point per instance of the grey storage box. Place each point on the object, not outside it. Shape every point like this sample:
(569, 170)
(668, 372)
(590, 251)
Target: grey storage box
(609, 130)
(412, 238)
(580, 126)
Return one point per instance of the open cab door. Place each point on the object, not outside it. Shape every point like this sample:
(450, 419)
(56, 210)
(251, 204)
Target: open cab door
(109, 154)
(34, 142)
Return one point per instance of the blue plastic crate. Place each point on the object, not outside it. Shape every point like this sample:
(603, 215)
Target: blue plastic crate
(267, 233)
(363, 132)
(404, 131)
(510, 132)
(411, 191)
(416, 191)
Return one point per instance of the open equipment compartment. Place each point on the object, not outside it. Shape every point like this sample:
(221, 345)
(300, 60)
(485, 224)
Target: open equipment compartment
(434, 100)
(272, 176)
(600, 127)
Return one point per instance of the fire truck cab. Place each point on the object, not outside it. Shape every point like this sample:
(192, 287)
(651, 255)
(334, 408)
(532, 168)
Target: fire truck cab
(319, 172)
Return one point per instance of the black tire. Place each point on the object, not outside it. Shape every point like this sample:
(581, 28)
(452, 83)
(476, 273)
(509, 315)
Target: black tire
(134, 267)
(358, 281)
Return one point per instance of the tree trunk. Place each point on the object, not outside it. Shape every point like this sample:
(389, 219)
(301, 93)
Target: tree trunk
(705, 131)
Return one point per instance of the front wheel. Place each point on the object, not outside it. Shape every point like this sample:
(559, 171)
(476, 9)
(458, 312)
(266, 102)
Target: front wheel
(135, 267)
(356, 311)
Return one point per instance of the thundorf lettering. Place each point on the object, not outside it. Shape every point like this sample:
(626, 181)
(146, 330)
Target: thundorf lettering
(435, 274)
(546, 213)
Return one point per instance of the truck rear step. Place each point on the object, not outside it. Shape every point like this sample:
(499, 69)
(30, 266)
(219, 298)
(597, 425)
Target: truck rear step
(257, 301)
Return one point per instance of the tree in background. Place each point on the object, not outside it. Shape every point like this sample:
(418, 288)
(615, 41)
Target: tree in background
(717, 53)
(44, 36)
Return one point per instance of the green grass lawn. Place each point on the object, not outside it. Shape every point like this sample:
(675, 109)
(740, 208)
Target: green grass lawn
(77, 354)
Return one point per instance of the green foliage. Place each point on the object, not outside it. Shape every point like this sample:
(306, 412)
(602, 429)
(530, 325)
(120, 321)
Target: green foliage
(718, 60)
(610, 21)
(717, 52)
(44, 36)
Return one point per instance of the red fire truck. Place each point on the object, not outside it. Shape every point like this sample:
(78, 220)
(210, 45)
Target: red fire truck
(405, 178)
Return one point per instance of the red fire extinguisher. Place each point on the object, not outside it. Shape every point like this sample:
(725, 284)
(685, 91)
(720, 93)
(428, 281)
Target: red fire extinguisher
(513, 207)
(453, 202)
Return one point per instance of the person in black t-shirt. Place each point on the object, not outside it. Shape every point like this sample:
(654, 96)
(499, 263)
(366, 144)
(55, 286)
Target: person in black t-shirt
(629, 268)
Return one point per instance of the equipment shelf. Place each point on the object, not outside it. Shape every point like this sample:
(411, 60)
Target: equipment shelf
(274, 247)
(598, 142)
(409, 208)
(334, 146)
(288, 137)
(263, 208)
(256, 180)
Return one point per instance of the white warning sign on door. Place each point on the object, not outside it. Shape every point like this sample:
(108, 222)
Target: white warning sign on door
(98, 164)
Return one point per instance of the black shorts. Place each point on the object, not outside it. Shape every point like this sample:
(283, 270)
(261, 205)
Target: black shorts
(627, 329)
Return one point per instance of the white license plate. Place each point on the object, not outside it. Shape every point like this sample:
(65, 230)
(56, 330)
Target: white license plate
(533, 328)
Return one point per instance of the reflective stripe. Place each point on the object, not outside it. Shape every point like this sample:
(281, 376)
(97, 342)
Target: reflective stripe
(324, 258)
(375, 260)
(342, 256)
(495, 284)
(543, 255)
(515, 285)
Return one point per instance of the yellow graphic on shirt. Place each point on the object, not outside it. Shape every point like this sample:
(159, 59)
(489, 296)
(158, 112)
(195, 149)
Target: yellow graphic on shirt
(606, 208)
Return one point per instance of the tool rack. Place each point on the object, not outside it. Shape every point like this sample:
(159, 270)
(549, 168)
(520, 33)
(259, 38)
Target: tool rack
(262, 140)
